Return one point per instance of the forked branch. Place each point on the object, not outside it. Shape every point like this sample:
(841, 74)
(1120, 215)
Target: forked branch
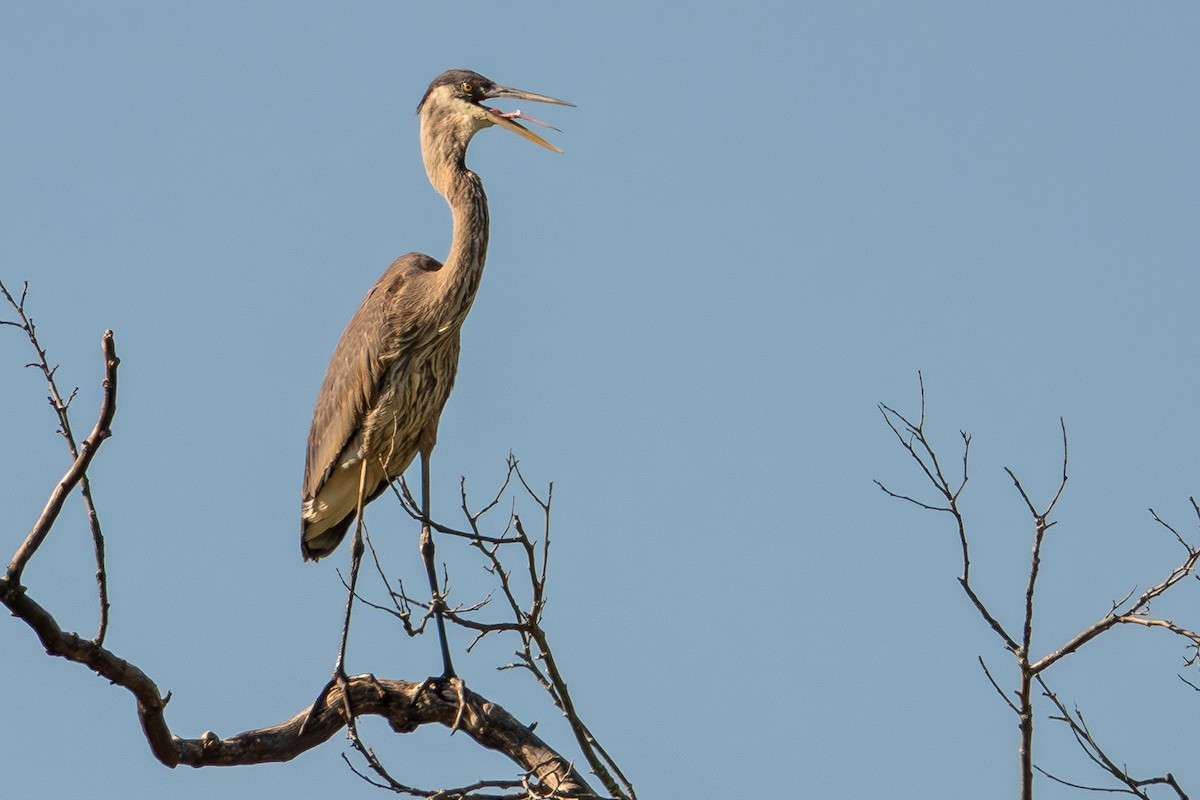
(522, 590)
(83, 457)
(1131, 610)
(1078, 726)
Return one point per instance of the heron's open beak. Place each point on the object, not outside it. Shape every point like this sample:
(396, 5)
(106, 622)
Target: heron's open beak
(508, 119)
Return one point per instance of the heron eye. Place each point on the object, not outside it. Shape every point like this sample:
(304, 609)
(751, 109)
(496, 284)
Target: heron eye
(466, 87)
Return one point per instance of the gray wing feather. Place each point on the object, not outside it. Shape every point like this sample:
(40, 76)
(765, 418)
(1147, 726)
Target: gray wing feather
(361, 361)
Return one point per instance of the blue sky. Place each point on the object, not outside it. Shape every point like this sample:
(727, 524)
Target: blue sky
(768, 218)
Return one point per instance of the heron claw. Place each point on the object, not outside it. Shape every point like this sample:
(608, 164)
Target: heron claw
(342, 681)
(435, 685)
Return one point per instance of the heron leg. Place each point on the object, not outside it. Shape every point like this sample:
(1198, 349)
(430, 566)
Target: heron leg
(339, 677)
(437, 603)
(356, 554)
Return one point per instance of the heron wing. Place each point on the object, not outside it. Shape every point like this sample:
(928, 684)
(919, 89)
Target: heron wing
(361, 361)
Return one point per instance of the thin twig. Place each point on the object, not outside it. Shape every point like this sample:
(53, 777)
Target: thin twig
(1087, 741)
(996, 686)
(535, 654)
(61, 407)
(78, 469)
(922, 452)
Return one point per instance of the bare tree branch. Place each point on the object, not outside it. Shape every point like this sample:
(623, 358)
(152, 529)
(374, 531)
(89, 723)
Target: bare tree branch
(535, 654)
(405, 705)
(78, 470)
(921, 450)
(1130, 616)
(1083, 735)
(913, 439)
(996, 686)
(60, 409)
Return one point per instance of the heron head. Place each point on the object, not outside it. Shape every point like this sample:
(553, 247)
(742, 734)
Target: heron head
(458, 96)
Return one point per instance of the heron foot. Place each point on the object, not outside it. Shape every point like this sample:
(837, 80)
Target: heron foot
(438, 685)
(340, 680)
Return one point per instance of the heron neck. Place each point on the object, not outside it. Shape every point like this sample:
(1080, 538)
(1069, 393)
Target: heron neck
(468, 204)
(468, 246)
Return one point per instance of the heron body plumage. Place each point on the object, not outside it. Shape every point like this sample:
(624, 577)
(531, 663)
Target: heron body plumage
(389, 378)
(391, 374)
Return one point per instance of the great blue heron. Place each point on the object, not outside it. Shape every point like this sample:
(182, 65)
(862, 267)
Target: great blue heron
(394, 366)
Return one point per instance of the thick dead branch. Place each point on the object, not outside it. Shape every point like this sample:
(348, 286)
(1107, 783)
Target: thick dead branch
(405, 705)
